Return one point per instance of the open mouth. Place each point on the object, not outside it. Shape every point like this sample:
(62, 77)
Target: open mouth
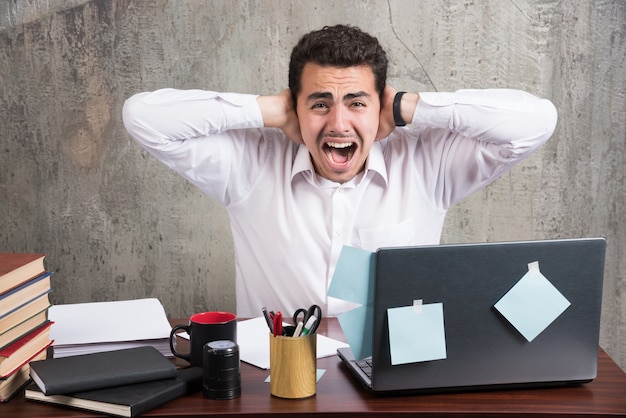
(339, 152)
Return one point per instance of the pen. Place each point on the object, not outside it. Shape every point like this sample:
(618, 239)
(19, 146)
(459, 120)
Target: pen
(298, 330)
(309, 325)
(277, 321)
(266, 314)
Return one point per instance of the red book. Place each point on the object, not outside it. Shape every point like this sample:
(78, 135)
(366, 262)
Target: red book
(23, 350)
(10, 385)
(17, 268)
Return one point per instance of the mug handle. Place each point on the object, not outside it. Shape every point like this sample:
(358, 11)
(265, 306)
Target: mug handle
(173, 338)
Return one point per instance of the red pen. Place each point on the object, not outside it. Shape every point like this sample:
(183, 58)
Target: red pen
(277, 321)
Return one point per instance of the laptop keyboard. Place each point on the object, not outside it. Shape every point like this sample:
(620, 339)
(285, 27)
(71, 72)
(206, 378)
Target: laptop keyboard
(366, 366)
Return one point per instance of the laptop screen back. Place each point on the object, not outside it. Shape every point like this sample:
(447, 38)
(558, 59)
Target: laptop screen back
(482, 347)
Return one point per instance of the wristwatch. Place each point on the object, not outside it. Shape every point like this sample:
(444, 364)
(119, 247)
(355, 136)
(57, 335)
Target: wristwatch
(397, 116)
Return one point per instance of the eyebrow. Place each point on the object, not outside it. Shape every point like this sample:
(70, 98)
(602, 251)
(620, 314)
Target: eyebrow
(328, 95)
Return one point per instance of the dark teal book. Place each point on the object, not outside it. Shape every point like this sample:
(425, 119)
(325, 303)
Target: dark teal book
(129, 400)
(22, 295)
(60, 376)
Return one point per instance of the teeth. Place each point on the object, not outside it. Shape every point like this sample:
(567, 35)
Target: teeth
(339, 152)
(339, 144)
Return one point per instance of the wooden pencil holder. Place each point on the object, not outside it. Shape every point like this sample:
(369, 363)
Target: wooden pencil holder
(293, 366)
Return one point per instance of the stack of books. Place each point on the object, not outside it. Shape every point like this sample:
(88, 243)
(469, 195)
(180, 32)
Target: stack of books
(126, 382)
(24, 325)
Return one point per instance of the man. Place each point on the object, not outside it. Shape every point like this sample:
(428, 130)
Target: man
(329, 162)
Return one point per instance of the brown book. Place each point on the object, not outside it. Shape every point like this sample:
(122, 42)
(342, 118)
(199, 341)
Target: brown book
(24, 350)
(11, 385)
(17, 268)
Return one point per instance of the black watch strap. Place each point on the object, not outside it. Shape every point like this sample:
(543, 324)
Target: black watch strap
(397, 116)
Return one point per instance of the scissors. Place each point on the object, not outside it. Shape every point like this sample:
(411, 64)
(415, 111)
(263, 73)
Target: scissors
(303, 315)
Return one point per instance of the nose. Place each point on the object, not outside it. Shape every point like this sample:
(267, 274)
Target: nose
(338, 120)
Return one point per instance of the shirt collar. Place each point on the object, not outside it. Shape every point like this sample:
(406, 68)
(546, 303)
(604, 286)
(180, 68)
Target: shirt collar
(302, 162)
(375, 162)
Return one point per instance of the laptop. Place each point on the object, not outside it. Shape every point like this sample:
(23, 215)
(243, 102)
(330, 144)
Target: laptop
(483, 349)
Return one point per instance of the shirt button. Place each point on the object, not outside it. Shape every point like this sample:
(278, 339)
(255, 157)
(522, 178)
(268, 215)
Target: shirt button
(339, 233)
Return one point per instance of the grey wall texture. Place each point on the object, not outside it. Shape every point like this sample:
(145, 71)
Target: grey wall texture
(116, 224)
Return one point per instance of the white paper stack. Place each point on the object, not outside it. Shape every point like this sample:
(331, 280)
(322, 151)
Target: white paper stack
(84, 328)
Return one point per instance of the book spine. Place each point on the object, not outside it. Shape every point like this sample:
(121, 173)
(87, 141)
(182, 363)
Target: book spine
(67, 387)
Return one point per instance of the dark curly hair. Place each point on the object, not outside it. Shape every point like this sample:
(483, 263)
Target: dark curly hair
(338, 46)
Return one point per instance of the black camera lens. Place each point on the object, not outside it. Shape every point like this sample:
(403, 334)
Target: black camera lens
(222, 376)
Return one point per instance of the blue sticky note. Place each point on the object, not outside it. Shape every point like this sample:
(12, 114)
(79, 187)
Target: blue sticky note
(357, 327)
(353, 281)
(532, 304)
(416, 335)
(353, 277)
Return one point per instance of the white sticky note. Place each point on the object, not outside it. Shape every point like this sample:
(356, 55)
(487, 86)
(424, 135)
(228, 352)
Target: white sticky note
(416, 336)
(532, 304)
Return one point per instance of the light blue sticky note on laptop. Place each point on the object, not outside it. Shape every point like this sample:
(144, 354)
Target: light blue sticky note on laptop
(532, 304)
(416, 334)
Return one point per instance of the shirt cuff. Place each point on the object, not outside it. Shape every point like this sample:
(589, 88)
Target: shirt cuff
(241, 110)
(434, 109)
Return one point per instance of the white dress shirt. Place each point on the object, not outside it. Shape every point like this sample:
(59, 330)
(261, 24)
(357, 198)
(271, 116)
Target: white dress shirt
(288, 224)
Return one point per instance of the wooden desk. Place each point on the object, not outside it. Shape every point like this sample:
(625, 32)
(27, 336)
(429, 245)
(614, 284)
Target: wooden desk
(338, 394)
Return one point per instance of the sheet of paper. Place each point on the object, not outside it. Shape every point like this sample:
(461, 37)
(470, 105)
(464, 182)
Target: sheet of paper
(254, 344)
(532, 304)
(97, 322)
(416, 335)
(353, 281)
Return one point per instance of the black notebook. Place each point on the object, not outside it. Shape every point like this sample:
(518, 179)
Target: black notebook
(65, 375)
(128, 400)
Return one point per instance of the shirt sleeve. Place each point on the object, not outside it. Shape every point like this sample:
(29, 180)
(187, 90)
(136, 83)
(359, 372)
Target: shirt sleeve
(200, 134)
(471, 137)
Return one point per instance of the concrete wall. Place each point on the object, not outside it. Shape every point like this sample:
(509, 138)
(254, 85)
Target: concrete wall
(116, 224)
